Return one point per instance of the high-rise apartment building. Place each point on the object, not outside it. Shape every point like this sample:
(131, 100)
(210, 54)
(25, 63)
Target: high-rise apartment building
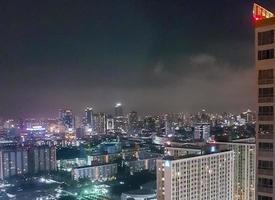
(186, 149)
(13, 161)
(19, 160)
(265, 66)
(42, 159)
(100, 123)
(244, 167)
(209, 176)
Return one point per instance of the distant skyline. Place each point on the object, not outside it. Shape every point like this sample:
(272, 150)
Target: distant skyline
(152, 56)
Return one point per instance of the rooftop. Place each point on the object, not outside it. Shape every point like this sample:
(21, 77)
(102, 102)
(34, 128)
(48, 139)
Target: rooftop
(265, 22)
(185, 146)
(140, 192)
(240, 141)
(95, 165)
(262, 16)
(170, 158)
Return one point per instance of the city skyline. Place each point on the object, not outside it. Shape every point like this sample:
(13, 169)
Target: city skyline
(147, 55)
(111, 112)
(137, 99)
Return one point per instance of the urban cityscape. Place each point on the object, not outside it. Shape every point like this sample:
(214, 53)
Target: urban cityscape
(127, 149)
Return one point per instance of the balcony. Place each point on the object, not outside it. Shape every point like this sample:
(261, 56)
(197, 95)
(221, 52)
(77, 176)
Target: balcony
(265, 135)
(265, 81)
(268, 172)
(265, 117)
(265, 189)
(265, 99)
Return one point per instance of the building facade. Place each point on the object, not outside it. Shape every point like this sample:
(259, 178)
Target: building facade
(95, 173)
(265, 66)
(42, 159)
(89, 117)
(202, 131)
(66, 118)
(18, 160)
(178, 151)
(118, 110)
(141, 164)
(204, 177)
(13, 161)
(244, 168)
(100, 123)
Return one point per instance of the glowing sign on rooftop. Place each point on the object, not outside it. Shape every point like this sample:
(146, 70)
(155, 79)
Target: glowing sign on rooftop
(260, 13)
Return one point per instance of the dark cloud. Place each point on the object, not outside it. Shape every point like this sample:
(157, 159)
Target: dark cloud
(154, 56)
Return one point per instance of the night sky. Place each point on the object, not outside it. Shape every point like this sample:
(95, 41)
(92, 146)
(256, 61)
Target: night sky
(151, 55)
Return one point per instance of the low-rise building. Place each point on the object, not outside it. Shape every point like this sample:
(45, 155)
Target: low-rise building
(141, 164)
(96, 173)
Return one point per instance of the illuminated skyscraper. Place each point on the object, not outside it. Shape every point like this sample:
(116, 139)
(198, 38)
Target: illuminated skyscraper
(244, 167)
(89, 117)
(100, 123)
(66, 118)
(120, 122)
(118, 110)
(265, 65)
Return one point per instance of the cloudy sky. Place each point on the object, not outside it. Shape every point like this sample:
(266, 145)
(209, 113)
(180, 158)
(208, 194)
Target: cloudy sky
(151, 55)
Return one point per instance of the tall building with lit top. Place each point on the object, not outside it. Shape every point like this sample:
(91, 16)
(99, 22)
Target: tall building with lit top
(208, 176)
(120, 122)
(89, 118)
(118, 110)
(265, 66)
